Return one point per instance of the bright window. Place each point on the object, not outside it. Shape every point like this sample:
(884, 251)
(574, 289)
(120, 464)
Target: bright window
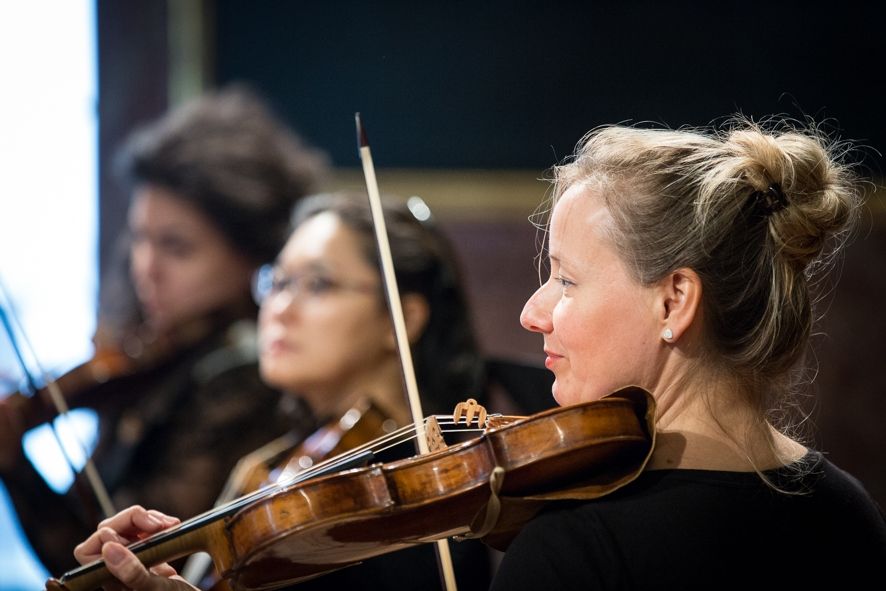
(48, 208)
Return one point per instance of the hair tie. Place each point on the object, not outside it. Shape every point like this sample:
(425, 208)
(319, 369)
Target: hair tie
(772, 199)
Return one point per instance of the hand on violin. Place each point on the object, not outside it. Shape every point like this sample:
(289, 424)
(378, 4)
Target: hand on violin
(109, 544)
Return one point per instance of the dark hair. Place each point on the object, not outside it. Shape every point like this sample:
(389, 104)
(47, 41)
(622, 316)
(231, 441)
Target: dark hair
(230, 156)
(448, 364)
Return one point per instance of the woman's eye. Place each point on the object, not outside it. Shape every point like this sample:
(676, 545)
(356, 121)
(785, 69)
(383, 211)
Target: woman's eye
(564, 283)
(176, 247)
(318, 285)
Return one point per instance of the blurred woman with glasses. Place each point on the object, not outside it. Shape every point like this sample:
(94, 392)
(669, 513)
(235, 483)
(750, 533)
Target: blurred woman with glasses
(325, 333)
(325, 330)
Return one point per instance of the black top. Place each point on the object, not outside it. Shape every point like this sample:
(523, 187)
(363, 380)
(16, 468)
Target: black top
(692, 529)
(412, 569)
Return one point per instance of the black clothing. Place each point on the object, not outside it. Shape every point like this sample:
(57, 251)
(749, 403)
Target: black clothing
(168, 439)
(412, 569)
(693, 529)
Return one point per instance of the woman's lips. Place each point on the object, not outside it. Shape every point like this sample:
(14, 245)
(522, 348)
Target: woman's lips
(277, 346)
(551, 359)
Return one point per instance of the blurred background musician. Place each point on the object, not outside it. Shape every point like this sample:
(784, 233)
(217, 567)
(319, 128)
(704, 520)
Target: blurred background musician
(177, 390)
(326, 337)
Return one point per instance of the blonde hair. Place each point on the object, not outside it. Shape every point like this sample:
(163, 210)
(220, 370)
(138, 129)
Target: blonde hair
(755, 209)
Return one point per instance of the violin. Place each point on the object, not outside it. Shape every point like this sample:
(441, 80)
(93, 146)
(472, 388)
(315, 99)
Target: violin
(21, 411)
(287, 456)
(115, 356)
(105, 364)
(118, 361)
(485, 487)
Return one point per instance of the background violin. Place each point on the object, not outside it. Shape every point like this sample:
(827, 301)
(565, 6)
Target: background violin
(106, 364)
(484, 487)
(19, 412)
(112, 360)
(287, 456)
(149, 450)
(115, 357)
(284, 457)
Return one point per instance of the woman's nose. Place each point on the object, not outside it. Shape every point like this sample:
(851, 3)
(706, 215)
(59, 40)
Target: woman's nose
(278, 303)
(536, 315)
(144, 261)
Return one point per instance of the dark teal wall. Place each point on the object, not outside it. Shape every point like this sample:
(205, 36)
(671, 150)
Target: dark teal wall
(515, 84)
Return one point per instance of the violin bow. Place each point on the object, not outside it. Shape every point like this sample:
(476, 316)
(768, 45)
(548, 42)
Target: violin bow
(61, 407)
(390, 282)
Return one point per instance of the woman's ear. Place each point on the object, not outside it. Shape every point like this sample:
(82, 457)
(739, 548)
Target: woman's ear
(416, 313)
(679, 303)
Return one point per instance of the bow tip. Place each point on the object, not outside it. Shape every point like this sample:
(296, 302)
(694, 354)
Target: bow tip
(362, 141)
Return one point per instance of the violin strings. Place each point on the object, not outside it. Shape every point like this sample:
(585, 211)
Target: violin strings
(407, 431)
(397, 437)
(392, 439)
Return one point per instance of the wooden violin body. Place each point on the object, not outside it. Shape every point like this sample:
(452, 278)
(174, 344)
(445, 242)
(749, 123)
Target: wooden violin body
(82, 384)
(326, 523)
(20, 411)
(102, 367)
(287, 456)
(379, 509)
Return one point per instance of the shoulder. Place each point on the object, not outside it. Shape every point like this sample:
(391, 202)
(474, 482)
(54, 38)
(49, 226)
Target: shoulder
(840, 498)
(707, 522)
(224, 378)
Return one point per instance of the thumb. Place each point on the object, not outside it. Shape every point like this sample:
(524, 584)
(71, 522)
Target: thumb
(129, 570)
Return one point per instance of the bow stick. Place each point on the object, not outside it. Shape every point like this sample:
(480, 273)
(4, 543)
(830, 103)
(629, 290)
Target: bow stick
(390, 282)
(61, 407)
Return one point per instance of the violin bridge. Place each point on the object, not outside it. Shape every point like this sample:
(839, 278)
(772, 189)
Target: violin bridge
(434, 435)
(469, 409)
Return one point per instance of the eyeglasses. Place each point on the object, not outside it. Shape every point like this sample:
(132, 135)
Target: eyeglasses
(270, 281)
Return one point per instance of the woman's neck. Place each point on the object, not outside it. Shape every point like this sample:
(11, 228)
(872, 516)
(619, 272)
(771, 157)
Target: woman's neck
(709, 424)
(383, 388)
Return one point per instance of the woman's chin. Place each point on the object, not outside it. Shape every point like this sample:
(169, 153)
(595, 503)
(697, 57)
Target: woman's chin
(556, 391)
(275, 374)
(565, 395)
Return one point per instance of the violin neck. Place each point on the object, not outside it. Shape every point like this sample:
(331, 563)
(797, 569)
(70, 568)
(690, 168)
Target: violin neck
(166, 546)
(204, 533)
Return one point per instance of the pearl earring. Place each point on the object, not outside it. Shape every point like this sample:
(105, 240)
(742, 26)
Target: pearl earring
(667, 334)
